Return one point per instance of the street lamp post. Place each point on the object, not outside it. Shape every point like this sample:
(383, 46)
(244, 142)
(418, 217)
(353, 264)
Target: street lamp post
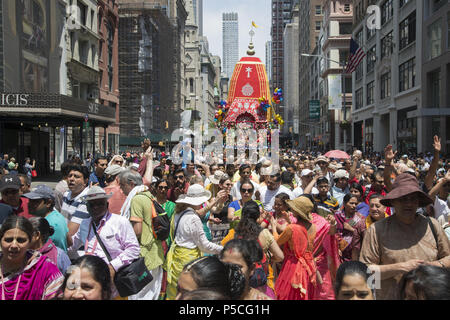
(343, 89)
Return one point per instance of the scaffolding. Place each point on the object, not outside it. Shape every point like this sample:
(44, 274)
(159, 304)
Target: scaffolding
(148, 70)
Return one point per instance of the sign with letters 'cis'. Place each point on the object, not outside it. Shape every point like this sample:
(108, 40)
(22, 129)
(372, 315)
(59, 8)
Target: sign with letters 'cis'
(13, 99)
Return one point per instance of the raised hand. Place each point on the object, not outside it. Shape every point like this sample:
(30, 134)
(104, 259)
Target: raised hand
(437, 144)
(389, 154)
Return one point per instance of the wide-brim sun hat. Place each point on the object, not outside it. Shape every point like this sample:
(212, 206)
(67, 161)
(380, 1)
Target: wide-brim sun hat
(302, 207)
(195, 196)
(406, 184)
(95, 193)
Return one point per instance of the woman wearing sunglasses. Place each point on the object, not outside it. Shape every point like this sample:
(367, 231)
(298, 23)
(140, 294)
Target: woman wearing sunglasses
(235, 208)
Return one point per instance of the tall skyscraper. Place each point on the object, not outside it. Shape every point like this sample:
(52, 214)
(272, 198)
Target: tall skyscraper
(198, 15)
(269, 60)
(281, 15)
(230, 42)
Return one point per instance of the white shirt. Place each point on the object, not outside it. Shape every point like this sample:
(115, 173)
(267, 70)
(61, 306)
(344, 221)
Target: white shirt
(441, 210)
(236, 194)
(268, 196)
(190, 233)
(299, 191)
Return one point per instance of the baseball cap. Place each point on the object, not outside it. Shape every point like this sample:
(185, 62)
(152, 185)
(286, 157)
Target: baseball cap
(114, 170)
(40, 192)
(404, 156)
(10, 181)
(135, 166)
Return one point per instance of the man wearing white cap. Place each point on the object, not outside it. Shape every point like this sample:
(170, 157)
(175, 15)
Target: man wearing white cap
(306, 177)
(340, 187)
(115, 231)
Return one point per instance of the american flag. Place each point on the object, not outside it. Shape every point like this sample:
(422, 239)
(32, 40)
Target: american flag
(356, 56)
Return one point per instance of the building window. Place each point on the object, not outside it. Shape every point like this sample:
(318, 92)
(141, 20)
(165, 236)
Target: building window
(318, 10)
(371, 59)
(370, 93)
(83, 13)
(434, 89)
(407, 75)
(407, 30)
(435, 37)
(387, 47)
(318, 25)
(359, 71)
(385, 82)
(387, 11)
(345, 28)
(359, 98)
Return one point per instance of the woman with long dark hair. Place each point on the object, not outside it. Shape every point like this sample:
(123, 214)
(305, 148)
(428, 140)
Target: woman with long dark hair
(209, 272)
(25, 274)
(246, 254)
(349, 223)
(88, 278)
(249, 228)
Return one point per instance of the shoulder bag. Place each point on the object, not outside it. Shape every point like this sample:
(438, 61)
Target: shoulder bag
(129, 279)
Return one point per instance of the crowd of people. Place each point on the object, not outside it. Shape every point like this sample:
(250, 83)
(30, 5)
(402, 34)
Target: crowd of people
(312, 228)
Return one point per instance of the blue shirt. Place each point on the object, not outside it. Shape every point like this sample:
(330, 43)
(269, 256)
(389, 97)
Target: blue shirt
(94, 179)
(58, 222)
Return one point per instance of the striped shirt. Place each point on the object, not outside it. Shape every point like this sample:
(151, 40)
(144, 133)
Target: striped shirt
(74, 210)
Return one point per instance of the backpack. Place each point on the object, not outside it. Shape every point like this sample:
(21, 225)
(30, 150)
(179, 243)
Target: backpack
(261, 271)
(160, 222)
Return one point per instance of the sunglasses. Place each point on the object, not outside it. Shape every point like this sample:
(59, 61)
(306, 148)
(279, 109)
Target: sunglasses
(179, 177)
(163, 187)
(118, 162)
(247, 190)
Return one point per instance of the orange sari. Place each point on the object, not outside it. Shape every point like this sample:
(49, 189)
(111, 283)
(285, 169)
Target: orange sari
(298, 271)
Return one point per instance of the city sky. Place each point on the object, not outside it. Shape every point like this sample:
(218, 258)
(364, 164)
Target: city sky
(248, 10)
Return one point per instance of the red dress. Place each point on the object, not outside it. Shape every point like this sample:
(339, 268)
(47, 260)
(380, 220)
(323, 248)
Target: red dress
(298, 271)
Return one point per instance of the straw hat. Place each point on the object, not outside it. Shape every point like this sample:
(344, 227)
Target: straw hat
(406, 184)
(301, 207)
(195, 196)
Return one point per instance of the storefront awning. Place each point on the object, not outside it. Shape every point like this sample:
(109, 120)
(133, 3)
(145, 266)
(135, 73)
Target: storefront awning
(50, 106)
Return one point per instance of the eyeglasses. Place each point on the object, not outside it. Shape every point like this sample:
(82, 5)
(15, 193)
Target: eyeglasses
(247, 190)
(179, 177)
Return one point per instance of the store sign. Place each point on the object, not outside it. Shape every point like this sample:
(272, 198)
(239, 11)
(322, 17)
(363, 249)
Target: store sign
(314, 109)
(14, 99)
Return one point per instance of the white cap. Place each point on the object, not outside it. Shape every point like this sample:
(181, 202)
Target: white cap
(341, 174)
(305, 172)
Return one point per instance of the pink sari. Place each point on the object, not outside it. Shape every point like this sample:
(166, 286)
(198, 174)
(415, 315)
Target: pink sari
(326, 256)
(40, 280)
